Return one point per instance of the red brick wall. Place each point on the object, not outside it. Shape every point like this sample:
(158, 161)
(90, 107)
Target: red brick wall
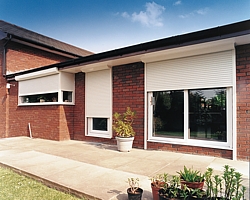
(79, 108)
(21, 57)
(48, 122)
(128, 91)
(3, 96)
(191, 149)
(243, 101)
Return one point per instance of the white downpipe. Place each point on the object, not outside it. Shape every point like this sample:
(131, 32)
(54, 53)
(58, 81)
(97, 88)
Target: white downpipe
(30, 130)
(234, 137)
(145, 110)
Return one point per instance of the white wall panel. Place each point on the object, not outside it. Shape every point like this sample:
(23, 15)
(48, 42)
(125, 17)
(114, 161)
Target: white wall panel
(67, 81)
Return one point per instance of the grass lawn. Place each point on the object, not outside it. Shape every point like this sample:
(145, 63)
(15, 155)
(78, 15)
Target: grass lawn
(19, 187)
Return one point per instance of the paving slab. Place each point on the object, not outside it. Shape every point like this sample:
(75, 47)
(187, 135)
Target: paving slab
(99, 171)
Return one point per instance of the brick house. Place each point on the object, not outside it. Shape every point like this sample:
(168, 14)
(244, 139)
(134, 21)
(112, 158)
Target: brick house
(191, 94)
(22, 50)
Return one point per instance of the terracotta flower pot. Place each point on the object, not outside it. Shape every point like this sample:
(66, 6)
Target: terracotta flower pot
(193, 185)
(155, 189)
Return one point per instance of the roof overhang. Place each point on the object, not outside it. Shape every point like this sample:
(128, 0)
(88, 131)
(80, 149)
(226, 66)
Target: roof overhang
(161, 54)
(2, 35)
(44, 48)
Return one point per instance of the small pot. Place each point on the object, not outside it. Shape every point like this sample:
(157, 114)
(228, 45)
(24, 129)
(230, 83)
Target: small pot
(155, 189)
(134, 196)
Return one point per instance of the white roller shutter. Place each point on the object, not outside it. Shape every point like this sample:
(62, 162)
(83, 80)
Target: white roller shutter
(45, 84)
(203, 71)
(98, 94)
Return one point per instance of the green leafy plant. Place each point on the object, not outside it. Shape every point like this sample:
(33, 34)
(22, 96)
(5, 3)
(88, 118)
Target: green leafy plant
(197, 193)
(209, 181)
(172, 189)
(122, 123)
(226, 186)
(217, 185)
(191, 175)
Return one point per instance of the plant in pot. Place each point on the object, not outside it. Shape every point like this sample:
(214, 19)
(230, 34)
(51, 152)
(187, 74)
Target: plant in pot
(192, 178)
(122, 125)
(172, 190)
(196, 194)
(134, 191)
(227, 186)
(158, 182)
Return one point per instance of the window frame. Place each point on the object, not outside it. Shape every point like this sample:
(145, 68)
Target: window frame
(98, 133)
(62, 81)
(194, 142)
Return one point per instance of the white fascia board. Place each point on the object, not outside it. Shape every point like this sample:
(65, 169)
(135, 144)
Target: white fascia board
(186, 51)
(38, 74)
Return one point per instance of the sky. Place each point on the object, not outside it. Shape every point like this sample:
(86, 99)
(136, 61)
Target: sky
(103, 25)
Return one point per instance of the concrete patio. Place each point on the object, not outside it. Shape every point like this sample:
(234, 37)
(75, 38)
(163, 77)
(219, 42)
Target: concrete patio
(99, 171)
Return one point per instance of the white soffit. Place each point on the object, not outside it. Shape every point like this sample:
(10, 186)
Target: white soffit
(38, 74)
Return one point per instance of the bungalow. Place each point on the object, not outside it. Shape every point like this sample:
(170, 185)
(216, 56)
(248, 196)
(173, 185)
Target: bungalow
(191, 93)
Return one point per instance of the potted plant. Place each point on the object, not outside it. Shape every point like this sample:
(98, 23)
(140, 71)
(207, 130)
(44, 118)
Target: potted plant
(227, 186)
(134, 191)
(158, 182)
(191, 178)
(172, 190)
(122, 125)
(196, 194)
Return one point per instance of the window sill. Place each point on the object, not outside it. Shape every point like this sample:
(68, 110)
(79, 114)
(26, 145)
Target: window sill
(99, 135)
(46, 104)
(190, 142)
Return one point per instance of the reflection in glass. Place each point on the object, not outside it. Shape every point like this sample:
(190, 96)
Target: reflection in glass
(207, 114)
(168, 113)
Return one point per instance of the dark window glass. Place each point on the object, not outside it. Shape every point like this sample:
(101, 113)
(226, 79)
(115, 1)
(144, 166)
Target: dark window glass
(100, 124)
(48, 97)
(67, 96)
(168, 113)
(207, 114)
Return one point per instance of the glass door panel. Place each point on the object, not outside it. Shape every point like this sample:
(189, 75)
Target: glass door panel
(207, 114)
(168, 114)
